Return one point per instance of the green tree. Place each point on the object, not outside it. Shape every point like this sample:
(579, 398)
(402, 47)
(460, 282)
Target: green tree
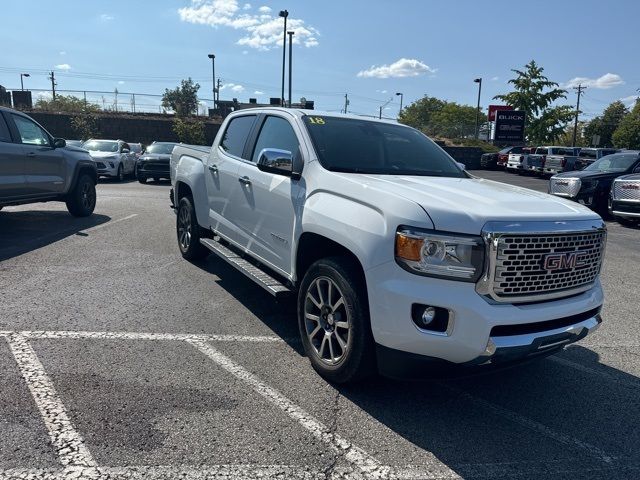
(606, 124)
(566, 137)
(189, 130)
(440, 118)
(183, 100)
(67, 104)
(536, 95)
(627, 135)
(85, 126)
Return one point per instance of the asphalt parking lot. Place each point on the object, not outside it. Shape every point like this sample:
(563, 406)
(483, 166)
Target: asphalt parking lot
(121, 360)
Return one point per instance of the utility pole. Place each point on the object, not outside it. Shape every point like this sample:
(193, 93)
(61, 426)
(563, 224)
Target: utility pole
(291, 34)
(479, 82)
(579, 89)
(380, 113)
(133, 102)
(218, 90)
(213, 70)
(284, 14)
(52, 77)
(346, 102)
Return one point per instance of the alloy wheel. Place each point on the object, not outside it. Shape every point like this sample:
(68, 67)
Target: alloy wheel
(184, 228)
(327, 320)
(87, 195)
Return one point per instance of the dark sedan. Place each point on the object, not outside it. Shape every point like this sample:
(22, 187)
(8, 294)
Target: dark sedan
(592, 185)
(495, 160)
(154, 162)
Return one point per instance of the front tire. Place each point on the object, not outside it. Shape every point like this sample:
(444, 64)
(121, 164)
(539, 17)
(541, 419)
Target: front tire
(82, 199)
(188, 231)
(333, 319)
(120, 174)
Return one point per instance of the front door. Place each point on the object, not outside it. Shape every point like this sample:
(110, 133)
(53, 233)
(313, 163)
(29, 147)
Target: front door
(45, 165)
(265, 202)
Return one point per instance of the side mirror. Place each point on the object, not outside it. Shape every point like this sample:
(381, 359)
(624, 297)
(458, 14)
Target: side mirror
(59, 143)
(461, 165)
(276, 161)
(637, 169)
(126, 150)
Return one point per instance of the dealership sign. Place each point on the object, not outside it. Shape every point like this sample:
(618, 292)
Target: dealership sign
(496, 108)
(509, 126)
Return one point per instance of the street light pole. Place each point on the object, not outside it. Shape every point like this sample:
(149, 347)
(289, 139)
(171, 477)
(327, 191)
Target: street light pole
(401, 99)
(479, 82)
(284, 14)
(213, 70)
(291, 34)
(21, 82)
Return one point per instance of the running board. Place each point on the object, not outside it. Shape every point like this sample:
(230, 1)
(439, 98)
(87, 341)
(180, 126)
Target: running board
(259, 276)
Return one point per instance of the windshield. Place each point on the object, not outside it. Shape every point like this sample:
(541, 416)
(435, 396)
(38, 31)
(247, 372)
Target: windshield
(160, 148)
(101, 146)
(363, 146)
(613, 163)
(541, 151)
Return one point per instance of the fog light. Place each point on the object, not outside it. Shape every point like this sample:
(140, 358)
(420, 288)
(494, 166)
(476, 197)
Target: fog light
(428, 315)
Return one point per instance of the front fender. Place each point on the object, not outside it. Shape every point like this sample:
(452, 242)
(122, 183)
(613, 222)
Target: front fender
(189, 172)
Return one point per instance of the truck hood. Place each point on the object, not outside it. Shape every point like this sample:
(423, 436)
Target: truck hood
(464, 205)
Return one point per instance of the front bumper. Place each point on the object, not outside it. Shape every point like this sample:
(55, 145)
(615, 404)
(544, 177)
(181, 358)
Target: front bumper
(475, 319)
(107, 168)
(153, 168)
(628, 209)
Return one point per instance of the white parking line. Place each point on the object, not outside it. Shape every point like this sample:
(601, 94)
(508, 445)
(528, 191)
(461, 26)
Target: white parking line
(109, 223)
(149, 336)
(593, 371)
(592, 450)
(66, 440)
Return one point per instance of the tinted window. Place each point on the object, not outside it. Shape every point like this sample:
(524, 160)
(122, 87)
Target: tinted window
(541, 151)
(587, 153)
(101, 146)
(236, 135)
(30, 132)
(4, 130)
(614, 163)
(276, 132)
(515, 150)
(364, 146)
(160, 148)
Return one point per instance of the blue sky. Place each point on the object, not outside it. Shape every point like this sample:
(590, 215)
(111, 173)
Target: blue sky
(370, 49)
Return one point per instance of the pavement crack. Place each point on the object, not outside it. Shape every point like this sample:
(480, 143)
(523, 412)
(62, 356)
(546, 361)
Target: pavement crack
(339, 453)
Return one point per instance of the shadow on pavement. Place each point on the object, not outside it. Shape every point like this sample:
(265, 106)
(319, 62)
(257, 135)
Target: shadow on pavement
(26, 230)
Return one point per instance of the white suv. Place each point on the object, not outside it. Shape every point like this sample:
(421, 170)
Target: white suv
(113, 157)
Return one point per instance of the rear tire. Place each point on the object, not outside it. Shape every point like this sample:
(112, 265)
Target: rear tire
(82, 200)
(188, 231)
(333, 318)
(142, 179)
(120, 174)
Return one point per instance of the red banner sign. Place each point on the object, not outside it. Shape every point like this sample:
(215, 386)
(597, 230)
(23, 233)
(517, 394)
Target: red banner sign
(495, 108)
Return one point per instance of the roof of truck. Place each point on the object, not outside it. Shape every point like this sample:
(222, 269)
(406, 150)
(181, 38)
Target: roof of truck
(300, 112)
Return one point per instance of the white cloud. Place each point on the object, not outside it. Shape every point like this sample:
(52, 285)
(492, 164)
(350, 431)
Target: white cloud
(262, 31)
(405, 67)
(246, 6)
(63, 52)
(630, 101)
(120, 82)
(105, 17)
(63, 66)
(608, 80)
(233, 87)
(495, 79)
(381, 91)
(258, 92)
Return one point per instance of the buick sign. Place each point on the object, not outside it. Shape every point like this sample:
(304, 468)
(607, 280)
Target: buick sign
(510, 126)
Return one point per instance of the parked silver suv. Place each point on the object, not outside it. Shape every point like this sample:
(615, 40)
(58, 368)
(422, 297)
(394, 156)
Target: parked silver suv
(113, 157)
(35, 167)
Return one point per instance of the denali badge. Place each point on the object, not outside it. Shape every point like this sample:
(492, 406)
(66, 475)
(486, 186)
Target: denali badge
(564, 261)
(562, 183)
(630, 186)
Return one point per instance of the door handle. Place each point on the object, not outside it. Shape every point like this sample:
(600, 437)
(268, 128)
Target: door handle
(213, 168)
(31, 154)
(245, 181)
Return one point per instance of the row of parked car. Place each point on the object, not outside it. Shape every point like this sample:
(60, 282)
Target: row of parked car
(119, 159)
(605, 179)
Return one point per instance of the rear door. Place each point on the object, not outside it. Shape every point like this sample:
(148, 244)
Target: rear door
(45, 165)
(221, 174)
(13, 180)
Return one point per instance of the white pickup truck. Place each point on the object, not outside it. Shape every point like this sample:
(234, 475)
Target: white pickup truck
(399, 259)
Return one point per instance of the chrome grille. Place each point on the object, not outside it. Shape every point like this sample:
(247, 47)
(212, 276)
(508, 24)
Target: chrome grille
(519, 261)
(564, 187)
(626, 190)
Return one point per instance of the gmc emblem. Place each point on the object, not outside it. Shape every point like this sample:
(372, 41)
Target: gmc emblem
(564, 261)
(630, 187)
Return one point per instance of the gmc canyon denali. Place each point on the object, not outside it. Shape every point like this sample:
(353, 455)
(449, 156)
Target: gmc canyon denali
(35, 167)
(399, 259)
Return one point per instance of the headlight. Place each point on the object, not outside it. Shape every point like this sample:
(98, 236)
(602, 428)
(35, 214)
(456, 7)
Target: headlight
(454, 256)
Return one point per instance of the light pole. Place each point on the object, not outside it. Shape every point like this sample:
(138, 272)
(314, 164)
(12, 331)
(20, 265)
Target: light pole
(401, 99)
(21, 82)
(479, 82)
(284, 14)
(213, 69)
(291, 34)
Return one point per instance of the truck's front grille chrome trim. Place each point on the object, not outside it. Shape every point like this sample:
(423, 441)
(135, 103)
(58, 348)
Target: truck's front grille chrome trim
(515, 271)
